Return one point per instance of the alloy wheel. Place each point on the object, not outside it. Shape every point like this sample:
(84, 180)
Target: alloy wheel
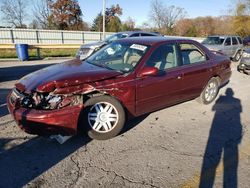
(103, 117)
(211, 91)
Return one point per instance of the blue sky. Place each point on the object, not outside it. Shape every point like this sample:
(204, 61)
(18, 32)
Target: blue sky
(139, 9)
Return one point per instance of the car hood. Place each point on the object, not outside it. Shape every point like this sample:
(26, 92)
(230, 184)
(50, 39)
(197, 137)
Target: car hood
(247, 50)
(212, 47)
(245, 60)
(71, 73)
(94, 45)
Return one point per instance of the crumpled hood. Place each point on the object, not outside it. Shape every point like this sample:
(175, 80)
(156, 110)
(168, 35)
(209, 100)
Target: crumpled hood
(74, 72)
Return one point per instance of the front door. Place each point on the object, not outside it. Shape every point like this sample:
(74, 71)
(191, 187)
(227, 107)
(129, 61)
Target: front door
(156, 92)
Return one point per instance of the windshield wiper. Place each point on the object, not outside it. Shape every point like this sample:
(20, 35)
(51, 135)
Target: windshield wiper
(99, 65)
(105, 66)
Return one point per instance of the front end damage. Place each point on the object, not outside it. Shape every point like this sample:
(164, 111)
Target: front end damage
(46, 101)
(48, 112)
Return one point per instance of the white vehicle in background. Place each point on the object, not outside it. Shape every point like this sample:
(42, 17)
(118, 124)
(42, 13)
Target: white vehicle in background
(88, 49)
(231, 46)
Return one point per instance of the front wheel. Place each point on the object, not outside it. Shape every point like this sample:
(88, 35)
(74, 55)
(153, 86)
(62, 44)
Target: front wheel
(104, 117)
(210, 92)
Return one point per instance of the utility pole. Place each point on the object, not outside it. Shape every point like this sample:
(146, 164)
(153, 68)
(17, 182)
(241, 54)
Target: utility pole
(103, 18)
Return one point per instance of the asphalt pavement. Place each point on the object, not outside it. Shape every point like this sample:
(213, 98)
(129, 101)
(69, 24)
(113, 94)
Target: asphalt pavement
(187, 145)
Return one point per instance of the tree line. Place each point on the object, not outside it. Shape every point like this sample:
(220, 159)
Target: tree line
(168, 20)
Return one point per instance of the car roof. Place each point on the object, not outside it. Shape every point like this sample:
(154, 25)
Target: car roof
(134, 32)
(151, 40)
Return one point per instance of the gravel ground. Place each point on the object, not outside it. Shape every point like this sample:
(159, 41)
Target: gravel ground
(181, 146)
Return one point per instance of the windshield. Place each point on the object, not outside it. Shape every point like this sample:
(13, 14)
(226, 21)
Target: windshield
(121, 56)
(214, 40)
(115, 37)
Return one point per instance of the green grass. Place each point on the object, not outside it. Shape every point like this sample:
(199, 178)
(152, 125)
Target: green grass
(11, 53)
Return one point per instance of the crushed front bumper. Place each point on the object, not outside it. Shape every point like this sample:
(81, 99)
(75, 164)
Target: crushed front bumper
(46, 122)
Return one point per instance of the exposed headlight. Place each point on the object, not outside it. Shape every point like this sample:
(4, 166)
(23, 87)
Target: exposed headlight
(27, 102)
(60, 101)
(53, 101)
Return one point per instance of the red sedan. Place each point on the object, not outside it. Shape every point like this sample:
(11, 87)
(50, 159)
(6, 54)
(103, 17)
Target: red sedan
(125, 79)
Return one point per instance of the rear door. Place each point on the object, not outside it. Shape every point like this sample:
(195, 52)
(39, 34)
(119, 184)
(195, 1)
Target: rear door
(227, 48)
(196, 70)
(155, 92)
(235, 45)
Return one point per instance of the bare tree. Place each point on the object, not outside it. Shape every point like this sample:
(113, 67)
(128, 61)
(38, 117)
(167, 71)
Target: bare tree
(42, 12)
(128, 25)
(14, 12)
(164, 17)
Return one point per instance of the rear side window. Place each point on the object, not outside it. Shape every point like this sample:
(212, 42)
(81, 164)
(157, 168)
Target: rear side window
(239, 39)
(191, 54)
(146, 35)
(135, 35)
(234, 40)
(164, 57)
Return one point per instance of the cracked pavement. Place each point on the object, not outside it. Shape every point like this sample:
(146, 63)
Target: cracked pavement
(163, 149)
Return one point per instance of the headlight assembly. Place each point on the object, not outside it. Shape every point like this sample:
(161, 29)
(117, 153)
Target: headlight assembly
(53, 101)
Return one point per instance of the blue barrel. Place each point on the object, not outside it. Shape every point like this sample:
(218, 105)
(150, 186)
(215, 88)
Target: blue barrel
(22, 52)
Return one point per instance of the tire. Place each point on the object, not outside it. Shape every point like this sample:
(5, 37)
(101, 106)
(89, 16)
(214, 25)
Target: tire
(239, 69)
(237, 56)
(104, 117)
(210, 92)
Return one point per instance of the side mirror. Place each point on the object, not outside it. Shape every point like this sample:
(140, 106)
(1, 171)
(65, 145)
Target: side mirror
(148, 71)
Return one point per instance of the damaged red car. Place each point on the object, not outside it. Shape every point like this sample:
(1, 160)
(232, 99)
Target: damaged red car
(125, 79)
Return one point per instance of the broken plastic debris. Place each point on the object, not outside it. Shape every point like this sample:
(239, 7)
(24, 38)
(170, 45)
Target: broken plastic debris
(59, 138)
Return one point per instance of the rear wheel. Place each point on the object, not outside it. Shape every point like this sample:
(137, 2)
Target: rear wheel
(210, 91)
(104, 117)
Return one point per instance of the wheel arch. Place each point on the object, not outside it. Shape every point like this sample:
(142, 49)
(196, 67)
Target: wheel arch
(218, 78)
(99, 93)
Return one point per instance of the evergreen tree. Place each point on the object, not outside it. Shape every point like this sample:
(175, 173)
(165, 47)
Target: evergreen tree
(112, 20)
